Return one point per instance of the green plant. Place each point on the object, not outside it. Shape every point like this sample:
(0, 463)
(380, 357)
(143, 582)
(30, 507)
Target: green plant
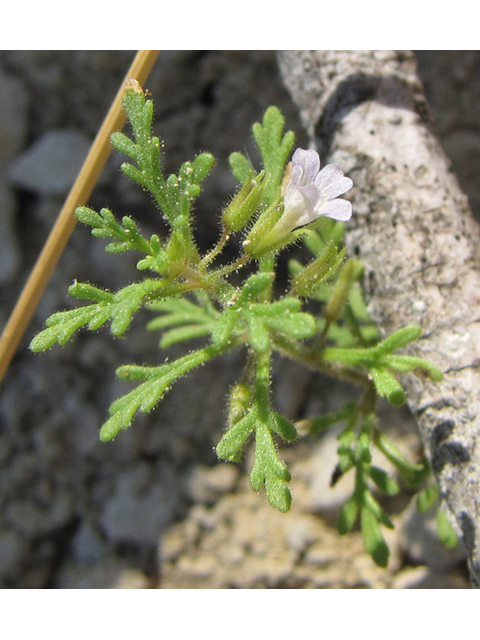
(192, 296)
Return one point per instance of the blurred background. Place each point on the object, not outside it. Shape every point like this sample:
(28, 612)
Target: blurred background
(153, 508)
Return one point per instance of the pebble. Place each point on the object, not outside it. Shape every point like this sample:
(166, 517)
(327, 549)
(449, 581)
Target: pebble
(51, 164)
(207, 484)
(136, 517)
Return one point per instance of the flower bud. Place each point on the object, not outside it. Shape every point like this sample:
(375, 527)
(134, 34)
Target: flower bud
(260, 240)
(244, 205)
(307, 281)
(348, 275)
(239, 402)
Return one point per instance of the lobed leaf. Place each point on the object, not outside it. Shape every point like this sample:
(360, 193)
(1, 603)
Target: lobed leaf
(234, 439)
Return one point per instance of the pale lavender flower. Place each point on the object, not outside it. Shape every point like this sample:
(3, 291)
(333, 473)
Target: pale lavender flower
(312, 192)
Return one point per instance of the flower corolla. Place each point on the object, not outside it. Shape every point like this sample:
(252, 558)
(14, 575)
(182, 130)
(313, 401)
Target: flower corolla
(311, 192)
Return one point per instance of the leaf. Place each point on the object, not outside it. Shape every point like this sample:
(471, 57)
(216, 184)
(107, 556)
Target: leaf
(373, 539)
(198, 320)
(321, 423)
(225, 326)
(241, 166)
(127, 301)
(411, 363)
(201, 167)
(268, 470)
(62, 325)
(296, 324)
(383, 481)
(387, 386)
(376, 509)
(398, 339)
(253, 287)
(180, 334)
(446, 532)
(236, 436)
(348, 516)
(412, 474)
(104, 225)
(274, 148)
(85, 291)
(144, 397)
(283, 426)
(427, 497)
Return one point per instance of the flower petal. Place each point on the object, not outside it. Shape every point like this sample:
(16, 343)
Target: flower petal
(332, 182)
(309, 160)
(337, 209)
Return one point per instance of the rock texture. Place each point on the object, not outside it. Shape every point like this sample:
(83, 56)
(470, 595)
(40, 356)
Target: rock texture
(418, 240)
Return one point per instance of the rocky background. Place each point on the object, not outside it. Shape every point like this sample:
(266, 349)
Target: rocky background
(154, 508)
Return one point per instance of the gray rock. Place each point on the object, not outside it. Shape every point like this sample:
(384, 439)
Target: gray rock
(13, 549)
(136, 516)
(207, 484)
(33, 519)
(13, 130)
(87, 545)
(51, 164)
(13, 118)
(110, 573)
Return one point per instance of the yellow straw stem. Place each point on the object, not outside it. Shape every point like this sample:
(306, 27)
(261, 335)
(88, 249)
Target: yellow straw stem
(65, 224)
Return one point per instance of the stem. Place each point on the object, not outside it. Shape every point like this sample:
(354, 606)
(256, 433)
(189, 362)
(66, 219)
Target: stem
(320, 339)
(262, 385)
(234, 266)
(313, 360)
(266, 265)
(216, 250)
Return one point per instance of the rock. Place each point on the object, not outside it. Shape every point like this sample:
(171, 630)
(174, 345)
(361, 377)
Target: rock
(51, 164)
(13, 130)
(321, 464)
(13, 550)
(110, 573)
(134, 516)
(32, 519)
(87, 545)
(207, 484)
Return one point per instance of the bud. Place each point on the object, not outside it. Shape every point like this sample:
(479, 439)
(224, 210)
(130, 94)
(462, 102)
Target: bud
(177, 254)
(348, 275)
(244, 205)
(261, 240)
(317, 272)
(239, 402)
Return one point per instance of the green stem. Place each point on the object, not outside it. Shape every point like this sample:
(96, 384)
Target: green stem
(312, 359)
(216, 250)
(262, 385)
(266, 265)
(229, 268)
(197, 358)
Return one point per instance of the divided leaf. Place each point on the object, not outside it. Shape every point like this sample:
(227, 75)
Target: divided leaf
(268, 470)
(117, 307)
